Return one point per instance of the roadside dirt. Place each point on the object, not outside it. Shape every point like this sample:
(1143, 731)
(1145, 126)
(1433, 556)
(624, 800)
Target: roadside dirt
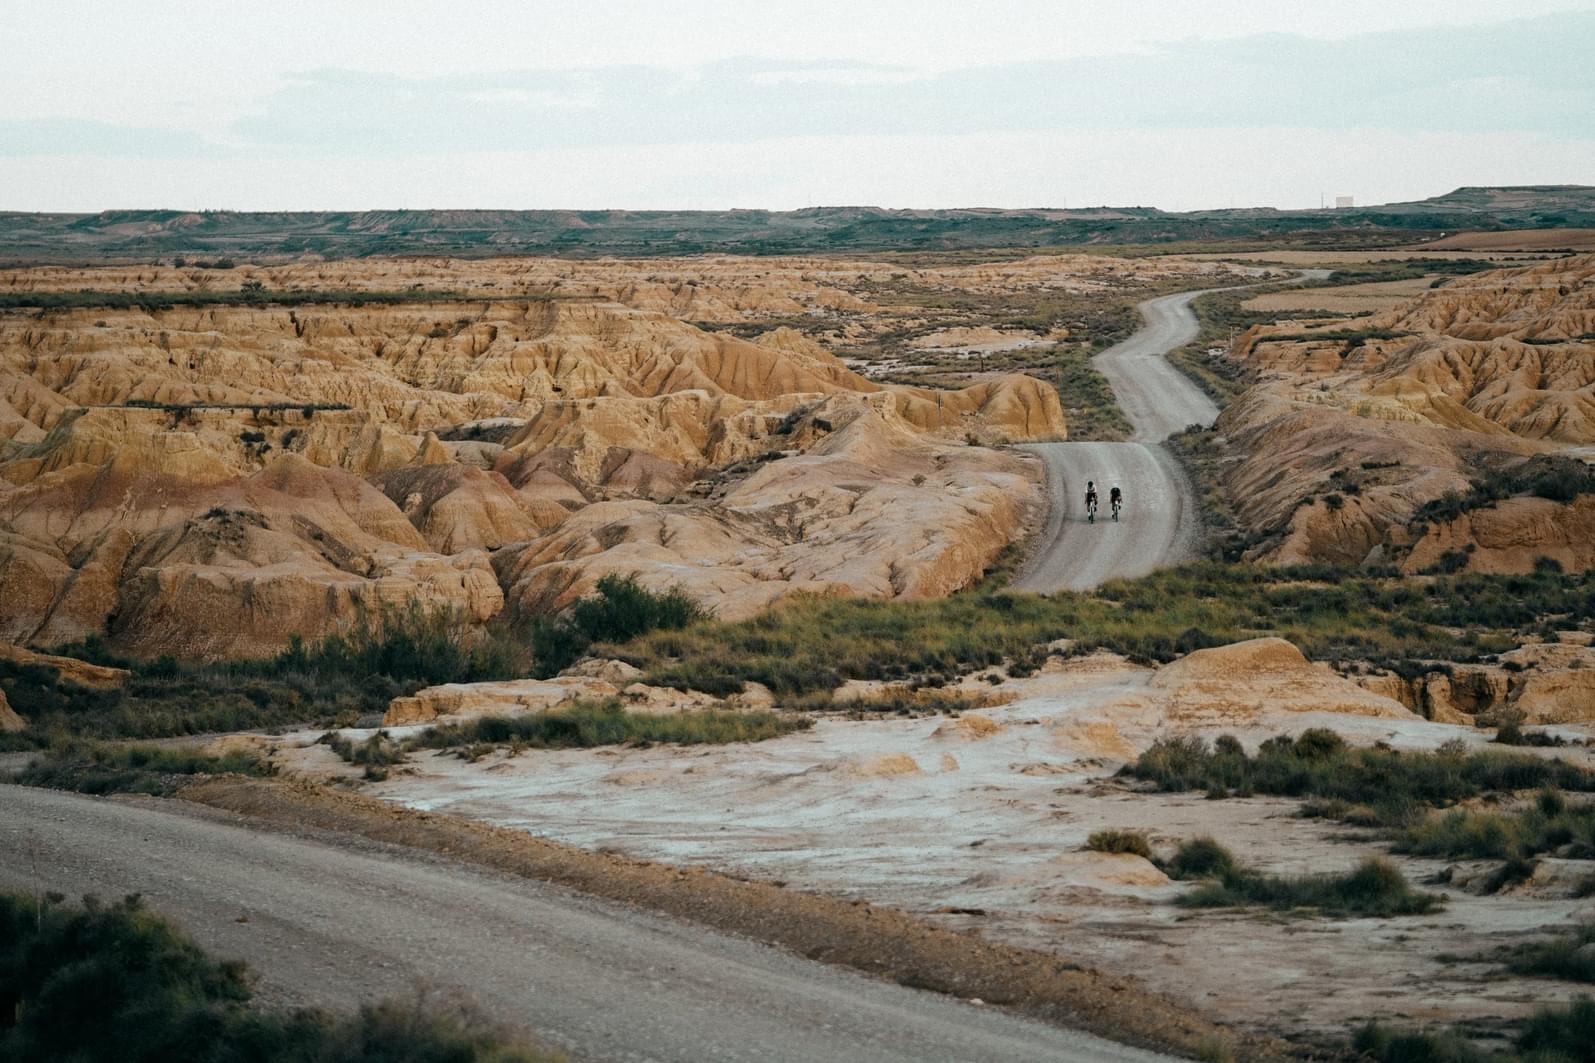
(878, 940)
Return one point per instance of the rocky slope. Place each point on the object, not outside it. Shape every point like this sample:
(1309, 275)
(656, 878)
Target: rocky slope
(209, 480)
(1357, 423)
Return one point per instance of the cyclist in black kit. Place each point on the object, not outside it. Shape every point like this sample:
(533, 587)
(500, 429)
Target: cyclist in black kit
(1115, 500)
(1091, 501)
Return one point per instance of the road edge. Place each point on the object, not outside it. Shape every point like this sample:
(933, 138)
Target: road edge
(879, 941)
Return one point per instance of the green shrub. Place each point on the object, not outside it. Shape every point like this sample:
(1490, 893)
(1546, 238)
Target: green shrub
(587, 724)
(1461, 834)
(95, 768)
(1374, 888)
(1392, 787)
(1201, 858)
(1133, 842)
(117, 982)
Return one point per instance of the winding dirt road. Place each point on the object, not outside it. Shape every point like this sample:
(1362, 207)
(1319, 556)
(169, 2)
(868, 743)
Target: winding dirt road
(335, 925)
(1161, 523)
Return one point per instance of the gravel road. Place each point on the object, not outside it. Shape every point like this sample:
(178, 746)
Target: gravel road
(1162, 519)
(1158, 399)
(335, 925)
(1158, 527)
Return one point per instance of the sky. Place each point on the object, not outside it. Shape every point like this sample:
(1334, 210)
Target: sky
(709, 104)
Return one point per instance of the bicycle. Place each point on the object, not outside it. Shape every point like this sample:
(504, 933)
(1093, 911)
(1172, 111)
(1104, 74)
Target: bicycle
(1117, 505)
(1091, 511)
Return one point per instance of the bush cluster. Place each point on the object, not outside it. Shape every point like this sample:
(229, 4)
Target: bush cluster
(1374, 888)
(1375, 786)
(605, 723)
(623, 609)
(95, 768)
(117, 982)
(1550, 823)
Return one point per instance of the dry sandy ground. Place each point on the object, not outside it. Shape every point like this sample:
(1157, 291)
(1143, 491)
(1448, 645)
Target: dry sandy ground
(1347, 300)
(982, 821)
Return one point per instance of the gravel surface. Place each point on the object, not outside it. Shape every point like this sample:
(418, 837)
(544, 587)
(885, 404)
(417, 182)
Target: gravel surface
(1158, 399)
(334, 925)
(1161, 521)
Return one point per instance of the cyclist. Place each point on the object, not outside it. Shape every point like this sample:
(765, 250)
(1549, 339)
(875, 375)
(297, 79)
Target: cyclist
(1091, 501)
(1116, 500)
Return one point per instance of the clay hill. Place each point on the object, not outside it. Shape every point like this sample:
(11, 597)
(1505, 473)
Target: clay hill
(208, 480)
(1364, 437)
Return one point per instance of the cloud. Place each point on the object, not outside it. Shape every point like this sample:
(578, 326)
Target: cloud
(1525, 86)
(1172, 169)
(19, 139)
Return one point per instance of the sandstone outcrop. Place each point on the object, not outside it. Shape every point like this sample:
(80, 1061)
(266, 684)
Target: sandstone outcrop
(1535, 684)
(1262, 676)
(1512, 536)
(494, 699)
(70, 669)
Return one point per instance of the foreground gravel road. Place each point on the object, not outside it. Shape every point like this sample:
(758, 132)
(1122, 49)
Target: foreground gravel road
(332, 925)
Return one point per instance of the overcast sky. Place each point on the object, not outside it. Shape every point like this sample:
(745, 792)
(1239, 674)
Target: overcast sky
(1179, 104)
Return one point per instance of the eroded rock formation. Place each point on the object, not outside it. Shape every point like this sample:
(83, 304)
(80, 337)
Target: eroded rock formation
(210, 480)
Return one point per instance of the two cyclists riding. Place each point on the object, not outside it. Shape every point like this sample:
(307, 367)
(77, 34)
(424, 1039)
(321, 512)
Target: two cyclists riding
(1115, 499)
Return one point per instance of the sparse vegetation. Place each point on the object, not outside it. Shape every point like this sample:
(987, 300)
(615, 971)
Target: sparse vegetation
(1133, 842)
(376, 754)
(810, 645)
(165, 699)
(1551, 1035)
(1554, 477)
(99, 768)
(251, 293)
(412, 643)
(1375, 787)
(606, 723)
(1570, 957)
(1550, 823)
(98, 982)
(1374, 888)
(1088, 400)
